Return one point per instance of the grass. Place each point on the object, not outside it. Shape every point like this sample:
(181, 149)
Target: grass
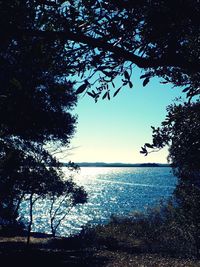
(47, 255)
(113, 245)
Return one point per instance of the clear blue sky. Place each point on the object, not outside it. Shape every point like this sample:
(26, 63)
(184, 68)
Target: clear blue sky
(114, 131)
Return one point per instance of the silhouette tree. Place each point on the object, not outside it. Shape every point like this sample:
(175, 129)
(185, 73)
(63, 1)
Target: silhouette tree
(35, 104)
(181, 132)
(61, 206)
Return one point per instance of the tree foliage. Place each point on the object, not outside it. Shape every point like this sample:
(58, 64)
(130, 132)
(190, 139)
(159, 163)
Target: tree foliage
(106, 39)
(61, 206)
(35, 96)
(36, 101)
(148, 34)
(181, 131)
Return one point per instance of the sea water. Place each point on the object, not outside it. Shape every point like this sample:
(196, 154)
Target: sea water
(111, 191)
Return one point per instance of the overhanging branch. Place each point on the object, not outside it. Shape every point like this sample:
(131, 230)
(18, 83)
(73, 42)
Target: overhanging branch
(175, 61)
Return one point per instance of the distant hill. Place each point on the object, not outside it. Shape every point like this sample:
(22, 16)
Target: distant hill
(118, 164)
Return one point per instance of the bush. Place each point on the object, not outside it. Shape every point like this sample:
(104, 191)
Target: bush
(170, 228)
(166, 228)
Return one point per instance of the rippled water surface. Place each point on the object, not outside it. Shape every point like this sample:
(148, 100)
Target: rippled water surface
(117, 191)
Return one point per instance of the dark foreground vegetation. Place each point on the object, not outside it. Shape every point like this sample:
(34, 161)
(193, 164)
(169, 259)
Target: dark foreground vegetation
(164, 236)
(123, 242)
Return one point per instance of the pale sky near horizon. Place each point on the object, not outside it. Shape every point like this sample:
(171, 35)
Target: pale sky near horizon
(114, 131)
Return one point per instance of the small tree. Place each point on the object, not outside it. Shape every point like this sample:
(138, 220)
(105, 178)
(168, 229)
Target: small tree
(61, 206)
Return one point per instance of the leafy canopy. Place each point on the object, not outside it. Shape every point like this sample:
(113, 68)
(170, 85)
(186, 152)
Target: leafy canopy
(105, 39)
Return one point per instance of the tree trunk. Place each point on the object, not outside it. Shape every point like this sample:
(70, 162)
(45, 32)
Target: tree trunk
(31, 219)
(53, 231)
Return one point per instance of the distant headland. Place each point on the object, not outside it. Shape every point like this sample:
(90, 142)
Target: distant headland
(118, 164)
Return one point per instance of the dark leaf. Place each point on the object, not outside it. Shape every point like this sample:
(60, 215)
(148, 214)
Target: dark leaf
(146, 81)
(81, 89)
(126, 75)
(108, 96)
(116, 92)
(164, 82)
(186, 89)
(130, 84)
(91, 94)
(148, 145)
(104, 96)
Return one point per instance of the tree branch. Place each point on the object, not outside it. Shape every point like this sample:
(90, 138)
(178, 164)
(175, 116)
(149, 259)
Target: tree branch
(175, 61)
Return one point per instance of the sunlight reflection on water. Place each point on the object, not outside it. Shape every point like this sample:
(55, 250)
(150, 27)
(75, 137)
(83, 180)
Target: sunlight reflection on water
(110, 191)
